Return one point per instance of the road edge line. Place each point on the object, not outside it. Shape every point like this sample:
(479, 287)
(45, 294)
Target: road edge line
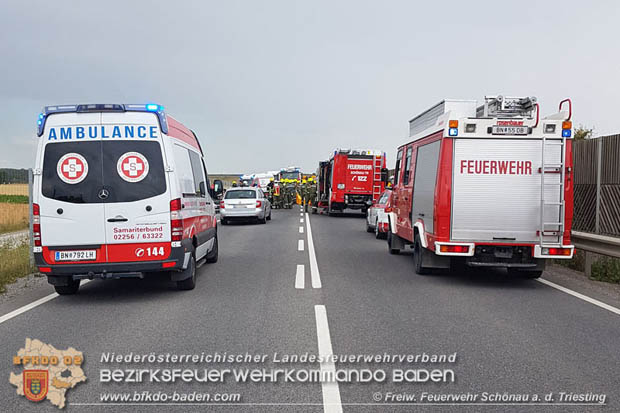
(580, 296)
(34, 304)
(314, 266)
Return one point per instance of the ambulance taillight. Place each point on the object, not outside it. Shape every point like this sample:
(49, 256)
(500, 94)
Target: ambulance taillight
(176, 220)
(222, 205)
(36, 225)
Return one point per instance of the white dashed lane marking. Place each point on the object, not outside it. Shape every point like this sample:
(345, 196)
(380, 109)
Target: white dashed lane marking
(300, 276)
(331, 391)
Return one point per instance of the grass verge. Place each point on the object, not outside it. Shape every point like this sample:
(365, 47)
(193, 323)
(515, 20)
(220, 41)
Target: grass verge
(604, 268)
(14, 263)
(14, 199)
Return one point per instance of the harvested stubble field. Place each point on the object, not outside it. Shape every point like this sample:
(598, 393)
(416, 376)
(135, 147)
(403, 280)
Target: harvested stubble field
(13, 207)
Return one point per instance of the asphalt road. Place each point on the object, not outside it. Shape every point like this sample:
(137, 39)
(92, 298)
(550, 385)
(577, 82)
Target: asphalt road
(510, 336)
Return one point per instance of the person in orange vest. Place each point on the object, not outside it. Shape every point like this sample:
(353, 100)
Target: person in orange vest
(277, 196)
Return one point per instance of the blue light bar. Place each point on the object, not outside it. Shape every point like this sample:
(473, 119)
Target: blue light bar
(566, 133)
(104, 107)
(153, 107)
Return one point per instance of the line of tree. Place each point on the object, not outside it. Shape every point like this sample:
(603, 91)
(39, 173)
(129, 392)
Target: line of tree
(13, 176)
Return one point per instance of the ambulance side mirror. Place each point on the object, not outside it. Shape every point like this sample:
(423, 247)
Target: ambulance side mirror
(218, 188)
(384, 175)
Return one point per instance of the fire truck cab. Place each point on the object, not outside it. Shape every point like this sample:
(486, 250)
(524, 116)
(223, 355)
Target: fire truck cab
(291, 172)
(351, 179)
(484, 186)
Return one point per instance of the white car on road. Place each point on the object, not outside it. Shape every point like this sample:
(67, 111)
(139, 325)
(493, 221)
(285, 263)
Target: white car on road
(377, 217)
(245, 203)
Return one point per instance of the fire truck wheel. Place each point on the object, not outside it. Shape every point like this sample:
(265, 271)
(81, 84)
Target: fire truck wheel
(393, 251)
(70, 289)
(513, 272)
(417, 257)
(190, 282)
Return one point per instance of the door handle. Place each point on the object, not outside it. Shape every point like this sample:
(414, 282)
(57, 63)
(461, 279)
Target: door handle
(118, 218)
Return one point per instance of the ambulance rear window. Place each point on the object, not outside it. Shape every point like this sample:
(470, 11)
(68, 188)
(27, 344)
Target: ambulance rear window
(77, 172)
(88, 168)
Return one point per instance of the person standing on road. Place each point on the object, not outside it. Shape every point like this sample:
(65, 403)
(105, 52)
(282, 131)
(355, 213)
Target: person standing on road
(289, 193)
(311, 193)
(303, 192)
(277, 195)
(270, 190)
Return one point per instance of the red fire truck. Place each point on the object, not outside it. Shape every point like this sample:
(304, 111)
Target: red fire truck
(351, 179)
(485, 186)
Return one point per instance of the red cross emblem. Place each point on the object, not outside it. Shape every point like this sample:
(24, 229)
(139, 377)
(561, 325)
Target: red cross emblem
(72, 168)
(132, 167)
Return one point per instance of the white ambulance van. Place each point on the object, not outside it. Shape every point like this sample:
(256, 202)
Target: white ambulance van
(120, 190)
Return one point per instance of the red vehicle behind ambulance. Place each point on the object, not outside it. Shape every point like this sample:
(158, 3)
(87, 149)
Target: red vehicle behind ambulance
(120, 190)
(351, 179)
(485, 186)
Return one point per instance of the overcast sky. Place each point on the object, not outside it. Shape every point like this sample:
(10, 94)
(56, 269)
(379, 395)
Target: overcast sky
(267, 84)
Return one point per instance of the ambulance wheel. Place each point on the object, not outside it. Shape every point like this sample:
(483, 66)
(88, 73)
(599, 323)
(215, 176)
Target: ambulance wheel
(269, 216)
(190, 272)
(418, 250)
(212, 255)
(368, 227)
(390, 238)
(262, 220)
(531, 275)
(72, 288)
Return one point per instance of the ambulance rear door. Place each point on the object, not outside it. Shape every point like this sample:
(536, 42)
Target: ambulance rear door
(137, 205)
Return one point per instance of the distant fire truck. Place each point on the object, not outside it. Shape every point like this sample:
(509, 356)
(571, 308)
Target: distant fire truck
(351, 179)
(487, 186)
(292, 172)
